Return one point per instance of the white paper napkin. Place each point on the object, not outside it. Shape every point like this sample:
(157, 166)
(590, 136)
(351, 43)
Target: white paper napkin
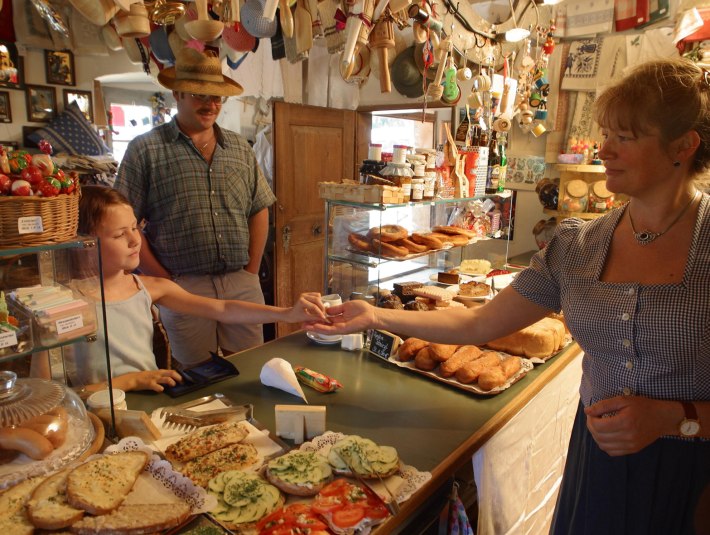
(278, 373)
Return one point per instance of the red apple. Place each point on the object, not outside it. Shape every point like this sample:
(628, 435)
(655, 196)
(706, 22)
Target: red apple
(32, 174)
(21, 188)
(5, 184)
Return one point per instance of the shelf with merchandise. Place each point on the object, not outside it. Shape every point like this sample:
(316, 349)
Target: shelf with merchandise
(358, 266)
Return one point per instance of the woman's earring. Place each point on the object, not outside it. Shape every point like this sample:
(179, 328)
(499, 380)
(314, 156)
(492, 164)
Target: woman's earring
(676, 164)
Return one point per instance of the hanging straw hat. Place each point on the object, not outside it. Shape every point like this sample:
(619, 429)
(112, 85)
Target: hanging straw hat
(405, 75)
(97, 12)
(195, 72)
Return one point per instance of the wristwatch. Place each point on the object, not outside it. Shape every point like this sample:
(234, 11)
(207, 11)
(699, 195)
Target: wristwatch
(690, 425)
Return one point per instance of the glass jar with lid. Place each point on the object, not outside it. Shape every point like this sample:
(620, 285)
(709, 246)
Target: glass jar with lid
(600, 199)
(575, 196)
(417, 189)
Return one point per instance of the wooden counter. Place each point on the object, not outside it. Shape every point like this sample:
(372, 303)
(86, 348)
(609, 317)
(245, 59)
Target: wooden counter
(434, 427)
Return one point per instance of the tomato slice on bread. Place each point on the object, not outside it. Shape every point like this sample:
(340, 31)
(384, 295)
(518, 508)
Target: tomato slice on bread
(295, 519)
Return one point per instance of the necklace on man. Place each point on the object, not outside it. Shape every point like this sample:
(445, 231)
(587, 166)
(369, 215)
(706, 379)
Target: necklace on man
(646, 236)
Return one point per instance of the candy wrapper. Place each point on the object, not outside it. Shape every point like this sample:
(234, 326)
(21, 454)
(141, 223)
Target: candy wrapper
(317, 381)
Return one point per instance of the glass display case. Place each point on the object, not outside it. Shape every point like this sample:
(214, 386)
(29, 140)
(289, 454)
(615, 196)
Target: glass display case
(357, 262)
(51, 299)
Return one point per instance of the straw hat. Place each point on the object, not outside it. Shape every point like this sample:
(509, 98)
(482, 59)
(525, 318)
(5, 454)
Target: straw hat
(133, 23)
(111, 38)
(405, 75)
(195, 72)
(97, 12)
(132, 51)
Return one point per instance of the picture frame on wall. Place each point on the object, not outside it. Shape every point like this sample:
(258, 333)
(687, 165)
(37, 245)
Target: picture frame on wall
(41, 103)
(11, 68)
(27, 143)
(5, 110)
(59, 67)
(9, 145)
(82, 99)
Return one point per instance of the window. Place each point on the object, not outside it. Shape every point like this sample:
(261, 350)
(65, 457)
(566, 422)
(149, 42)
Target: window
(129, 121)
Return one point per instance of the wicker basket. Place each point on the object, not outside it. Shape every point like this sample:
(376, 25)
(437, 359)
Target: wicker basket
(59, 219)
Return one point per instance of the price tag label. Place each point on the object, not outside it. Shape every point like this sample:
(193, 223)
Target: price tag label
(8, 339)
(69, 324)
(30, 224)
(383, 343)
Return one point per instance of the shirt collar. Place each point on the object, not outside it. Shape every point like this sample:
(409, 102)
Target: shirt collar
(174, 133)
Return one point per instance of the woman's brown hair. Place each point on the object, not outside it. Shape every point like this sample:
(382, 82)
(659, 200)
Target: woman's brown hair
(672, 95)
(95, 200)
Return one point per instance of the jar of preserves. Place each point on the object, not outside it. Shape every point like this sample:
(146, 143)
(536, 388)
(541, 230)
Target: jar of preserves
(575, 196)
(417, 189)
(429, 185)
(600, 199)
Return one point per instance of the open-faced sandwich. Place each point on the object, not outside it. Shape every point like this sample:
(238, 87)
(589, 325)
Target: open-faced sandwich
(243, 499)
(361, 455)
(294, 519)
(301, 473)
(348, 507)
(206, 440)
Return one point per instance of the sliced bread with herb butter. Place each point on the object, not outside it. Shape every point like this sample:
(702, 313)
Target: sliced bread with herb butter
(301, 473)
(363, 456)
(99, 486)
(48, 507)
(135, 519)
(206, 440)
(13, 516)
(243, 499)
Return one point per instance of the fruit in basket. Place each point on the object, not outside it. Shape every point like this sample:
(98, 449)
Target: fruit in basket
(21, 188)
(32, 174)
(5, 184)
(18, 160)
(49, 188)
(44, 163)
(69, 182)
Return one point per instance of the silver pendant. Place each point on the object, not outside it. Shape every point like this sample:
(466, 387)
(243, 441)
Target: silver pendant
(645, 237)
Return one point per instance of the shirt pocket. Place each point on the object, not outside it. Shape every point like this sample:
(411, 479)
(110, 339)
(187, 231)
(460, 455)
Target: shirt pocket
(238, 189)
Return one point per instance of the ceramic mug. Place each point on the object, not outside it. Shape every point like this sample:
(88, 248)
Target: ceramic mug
(330, 300)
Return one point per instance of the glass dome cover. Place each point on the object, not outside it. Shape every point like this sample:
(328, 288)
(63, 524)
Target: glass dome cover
(23, 399)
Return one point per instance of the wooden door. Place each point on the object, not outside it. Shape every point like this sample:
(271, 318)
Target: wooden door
(311, 145)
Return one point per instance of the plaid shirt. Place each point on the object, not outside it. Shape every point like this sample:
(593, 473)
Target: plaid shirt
(646, 340)
(197, 214)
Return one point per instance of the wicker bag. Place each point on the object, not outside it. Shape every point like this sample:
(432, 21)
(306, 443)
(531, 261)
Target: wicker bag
(20, 218)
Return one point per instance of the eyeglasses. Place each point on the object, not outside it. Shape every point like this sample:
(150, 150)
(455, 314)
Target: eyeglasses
(205, 99)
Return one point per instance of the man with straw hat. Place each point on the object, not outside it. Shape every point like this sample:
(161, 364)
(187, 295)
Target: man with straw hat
(205, 204)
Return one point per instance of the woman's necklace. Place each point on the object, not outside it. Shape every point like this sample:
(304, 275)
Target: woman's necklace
(646, 236)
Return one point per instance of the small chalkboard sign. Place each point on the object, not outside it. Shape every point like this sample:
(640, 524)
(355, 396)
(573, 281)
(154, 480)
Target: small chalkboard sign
(383, 344)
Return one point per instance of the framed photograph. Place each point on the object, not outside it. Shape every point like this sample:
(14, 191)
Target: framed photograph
(83, 100)
(10, 145)
(59, 67)
(41, 103)
(26, 141)
(5, 111)
(11, 72)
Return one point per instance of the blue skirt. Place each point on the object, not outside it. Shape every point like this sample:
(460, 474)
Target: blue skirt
(663, 489)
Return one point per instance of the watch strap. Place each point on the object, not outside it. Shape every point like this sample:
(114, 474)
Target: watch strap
(691, 413)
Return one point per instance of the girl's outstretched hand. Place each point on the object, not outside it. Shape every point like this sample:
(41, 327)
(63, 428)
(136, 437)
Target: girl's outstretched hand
(308, 308)
(351, 316)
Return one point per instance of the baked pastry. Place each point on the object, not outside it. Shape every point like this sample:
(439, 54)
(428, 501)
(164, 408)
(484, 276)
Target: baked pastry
(410, 347)
(418, 306)
(474, 289)
(424, 360)
(470, 371)
(360, 242)
(447, 278)
(388, 233)
(405, 290)
(461, 357)
(411, 246)
(390, 301)
(450, 229)
(430, 241)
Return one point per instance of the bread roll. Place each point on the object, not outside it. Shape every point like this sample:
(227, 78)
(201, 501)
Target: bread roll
(442, 352)
(491, 378)
(409, 348)
(470, 371)
(539, 340)
(423, 360)
(462, 356)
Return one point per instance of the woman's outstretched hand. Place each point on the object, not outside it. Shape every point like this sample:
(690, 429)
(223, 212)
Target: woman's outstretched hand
(308, 308)
(351, 316)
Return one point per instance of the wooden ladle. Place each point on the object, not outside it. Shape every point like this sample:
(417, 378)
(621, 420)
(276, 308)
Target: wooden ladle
(286, 18)
(303, 27)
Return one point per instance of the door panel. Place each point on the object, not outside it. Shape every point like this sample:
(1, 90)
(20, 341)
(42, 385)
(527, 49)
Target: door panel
(311, 145)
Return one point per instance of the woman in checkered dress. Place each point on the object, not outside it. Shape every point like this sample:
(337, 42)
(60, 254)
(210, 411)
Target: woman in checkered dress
(634, 286)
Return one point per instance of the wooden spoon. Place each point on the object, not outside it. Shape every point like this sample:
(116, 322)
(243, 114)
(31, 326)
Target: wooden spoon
(303, 27)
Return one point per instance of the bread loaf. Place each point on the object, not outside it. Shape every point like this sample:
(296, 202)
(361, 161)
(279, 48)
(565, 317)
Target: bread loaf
(539, 340)
(134, 519)
(462, 356)
(100, 486)
(48, 507)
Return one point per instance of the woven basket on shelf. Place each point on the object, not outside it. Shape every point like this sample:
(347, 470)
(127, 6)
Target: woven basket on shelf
(60, 219)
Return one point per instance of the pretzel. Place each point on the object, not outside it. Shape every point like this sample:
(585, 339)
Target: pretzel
(388, 233)
(411, 246)
(388, 249)
(359, 241)
(424, 239)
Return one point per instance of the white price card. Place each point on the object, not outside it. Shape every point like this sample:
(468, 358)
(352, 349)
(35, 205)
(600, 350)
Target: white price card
(30, 224)
(8, 339)
(71, 323)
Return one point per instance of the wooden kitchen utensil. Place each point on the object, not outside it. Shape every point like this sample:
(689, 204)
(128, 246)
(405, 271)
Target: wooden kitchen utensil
(303, 27)
(286, 18)
(382, 38)
(204, 28)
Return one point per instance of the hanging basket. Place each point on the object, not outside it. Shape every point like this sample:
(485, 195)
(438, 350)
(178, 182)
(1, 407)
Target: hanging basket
(29, 221)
